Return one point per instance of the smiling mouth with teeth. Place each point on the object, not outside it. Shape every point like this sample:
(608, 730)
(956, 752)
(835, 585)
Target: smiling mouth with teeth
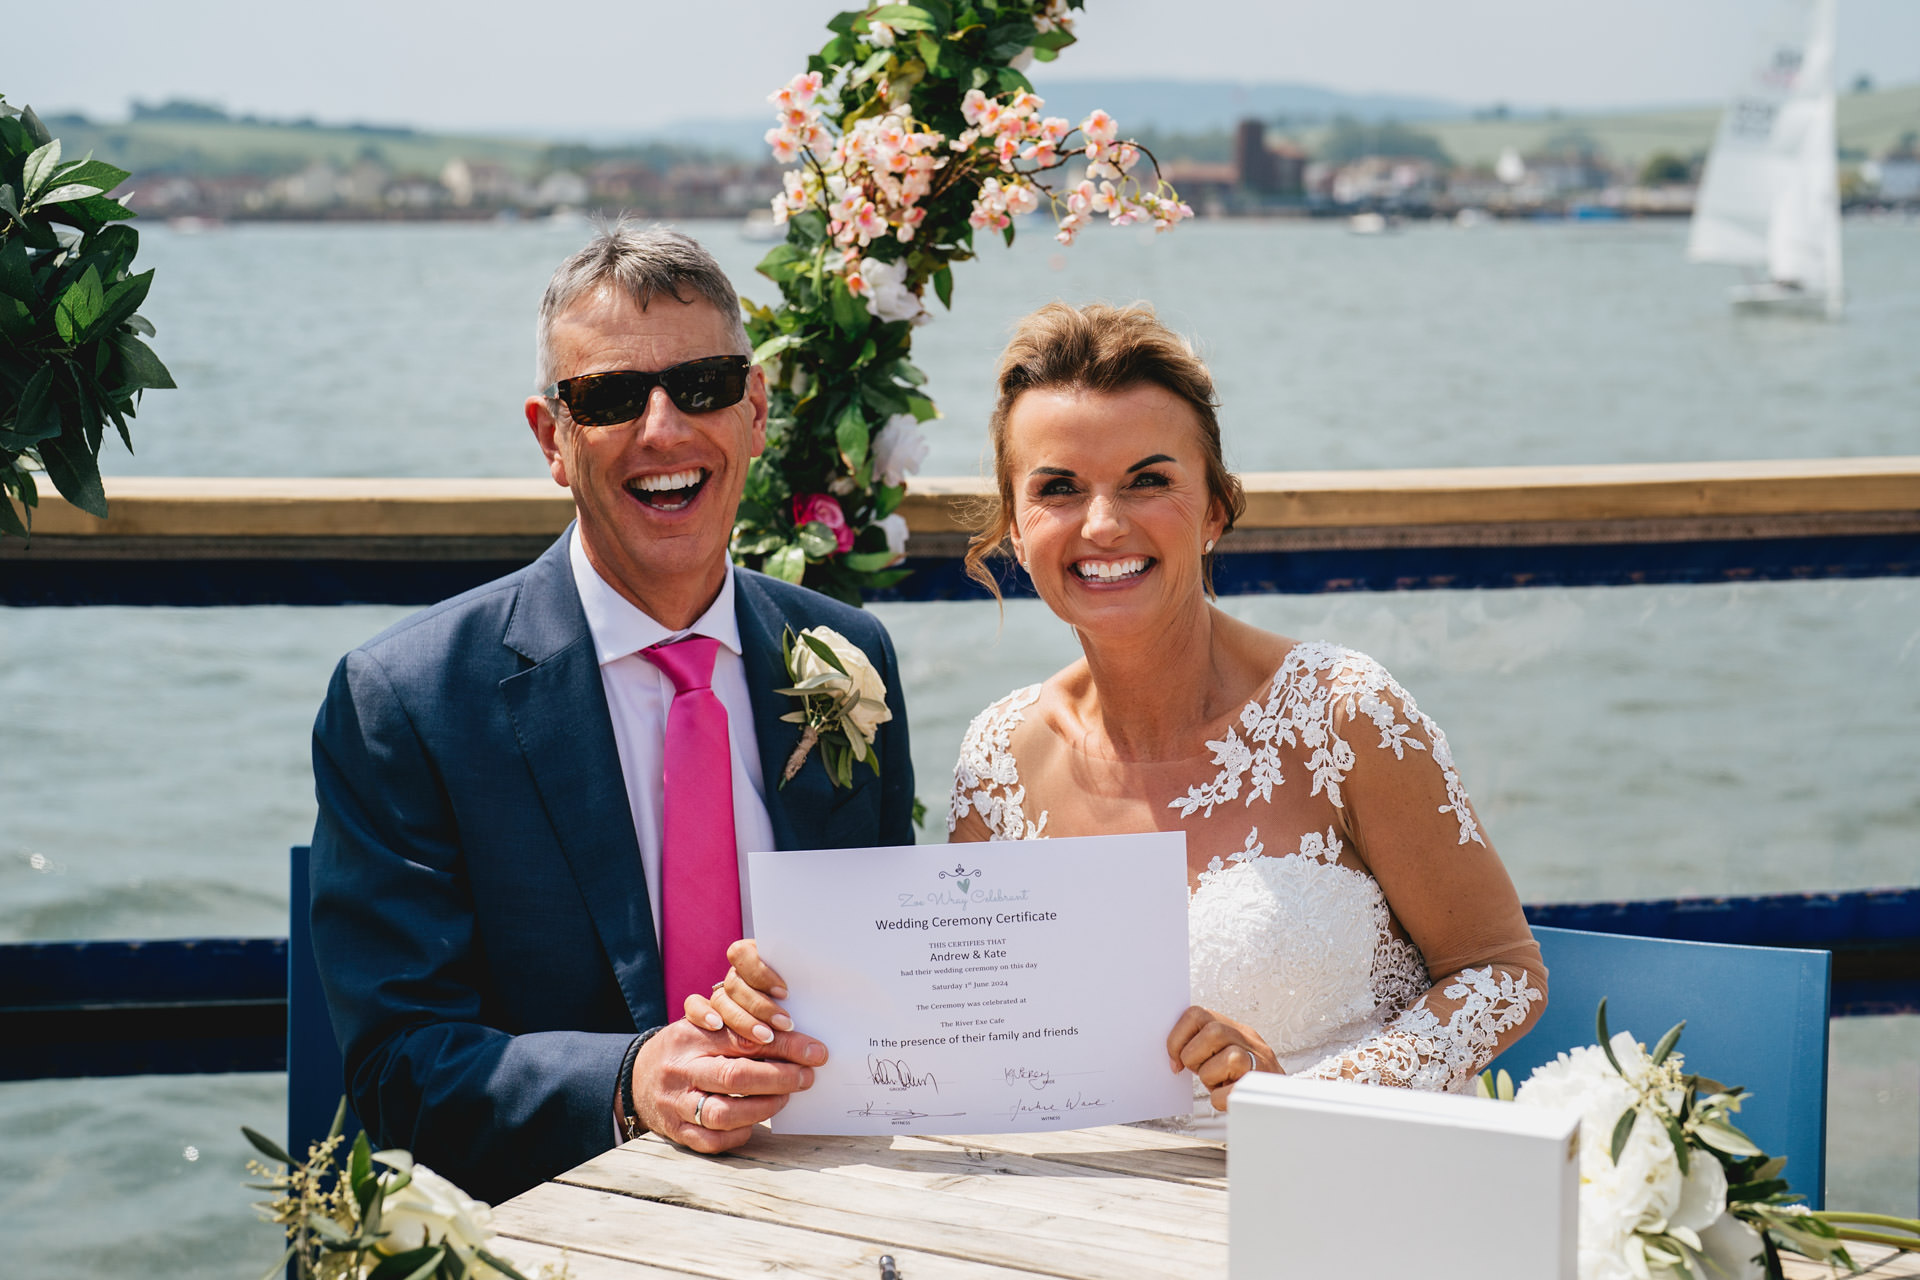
(670, 492)
(1112, 570)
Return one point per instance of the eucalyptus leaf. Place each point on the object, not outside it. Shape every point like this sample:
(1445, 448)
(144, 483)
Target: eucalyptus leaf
(867, 561)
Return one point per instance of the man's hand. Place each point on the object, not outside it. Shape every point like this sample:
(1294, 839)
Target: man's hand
(707, 1089)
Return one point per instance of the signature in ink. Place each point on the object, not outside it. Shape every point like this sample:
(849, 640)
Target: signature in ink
(896, 1074)
(899, 1115)
(1054, 1108)
(1032, 1077)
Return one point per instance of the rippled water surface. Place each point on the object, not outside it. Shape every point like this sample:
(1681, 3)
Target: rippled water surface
(1619, 742)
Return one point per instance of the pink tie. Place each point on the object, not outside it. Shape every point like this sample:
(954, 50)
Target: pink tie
(699, 863)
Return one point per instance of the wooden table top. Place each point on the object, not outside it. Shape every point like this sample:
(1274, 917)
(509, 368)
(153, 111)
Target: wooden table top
(1094, 1204)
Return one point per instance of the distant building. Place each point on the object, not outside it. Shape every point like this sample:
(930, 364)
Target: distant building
(480, 182)
(1385, 180)
(1896, 175)
(561, 188)
(1278, 170)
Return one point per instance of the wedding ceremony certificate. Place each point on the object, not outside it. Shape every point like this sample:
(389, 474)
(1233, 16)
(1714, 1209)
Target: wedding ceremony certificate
(981, 988)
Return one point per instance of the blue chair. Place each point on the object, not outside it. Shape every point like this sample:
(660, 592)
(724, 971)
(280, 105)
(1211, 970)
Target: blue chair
(1756, 1016)
(316, 1075)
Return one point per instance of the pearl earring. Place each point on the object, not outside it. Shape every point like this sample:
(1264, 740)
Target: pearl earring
(1208, 547)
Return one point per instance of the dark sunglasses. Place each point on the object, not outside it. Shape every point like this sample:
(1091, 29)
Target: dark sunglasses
(697, 386)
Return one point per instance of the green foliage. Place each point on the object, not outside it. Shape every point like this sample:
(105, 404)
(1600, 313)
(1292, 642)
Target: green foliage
(72, 358)
(333, 1217)
(836, 371)
(1663, 167)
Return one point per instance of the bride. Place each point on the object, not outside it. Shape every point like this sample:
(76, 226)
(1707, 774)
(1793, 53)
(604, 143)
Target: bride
(1347, 918)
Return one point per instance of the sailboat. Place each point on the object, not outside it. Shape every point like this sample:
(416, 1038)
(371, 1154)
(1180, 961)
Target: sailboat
(1770, 196)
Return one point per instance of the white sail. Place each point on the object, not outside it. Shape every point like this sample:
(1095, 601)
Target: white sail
(1769, 197)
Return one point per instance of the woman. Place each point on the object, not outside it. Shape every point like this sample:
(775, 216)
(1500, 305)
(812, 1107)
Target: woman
(1347, 917)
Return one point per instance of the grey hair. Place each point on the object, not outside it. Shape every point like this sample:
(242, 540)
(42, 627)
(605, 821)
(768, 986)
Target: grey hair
(639, 263)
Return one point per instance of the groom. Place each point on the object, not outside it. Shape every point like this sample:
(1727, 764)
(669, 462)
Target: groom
(535, 799)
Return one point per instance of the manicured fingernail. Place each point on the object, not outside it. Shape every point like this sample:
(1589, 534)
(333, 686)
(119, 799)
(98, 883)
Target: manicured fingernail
(763, 1034)
(782, 1022)
(713, 1022)
(814, 1053)
(778, 993)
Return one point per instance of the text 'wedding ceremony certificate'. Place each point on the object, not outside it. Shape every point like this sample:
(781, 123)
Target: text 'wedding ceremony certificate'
(981, 988)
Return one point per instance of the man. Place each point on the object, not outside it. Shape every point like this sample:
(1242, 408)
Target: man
(535, 799)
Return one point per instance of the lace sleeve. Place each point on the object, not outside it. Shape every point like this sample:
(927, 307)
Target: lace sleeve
(1406, 809)
(988, 800)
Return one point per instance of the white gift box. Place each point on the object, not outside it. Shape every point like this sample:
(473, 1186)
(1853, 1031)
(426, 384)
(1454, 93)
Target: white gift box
(1334, 1179)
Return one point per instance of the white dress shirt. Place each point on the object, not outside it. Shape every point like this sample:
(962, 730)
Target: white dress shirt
(638, 695)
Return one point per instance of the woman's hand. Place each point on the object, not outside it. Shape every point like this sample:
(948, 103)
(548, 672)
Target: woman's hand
(1218, 1050)
(744, 1002)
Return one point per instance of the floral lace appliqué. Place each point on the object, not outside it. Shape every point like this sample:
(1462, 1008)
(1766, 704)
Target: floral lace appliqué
(1316, 679)
(986, 778)
(1416, 1050)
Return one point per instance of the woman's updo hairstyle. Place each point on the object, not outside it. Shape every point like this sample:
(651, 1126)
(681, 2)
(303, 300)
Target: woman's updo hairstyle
(1102, 349)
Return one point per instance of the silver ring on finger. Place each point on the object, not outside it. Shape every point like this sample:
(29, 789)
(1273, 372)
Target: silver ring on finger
(700, 1106)
(1252, 1062)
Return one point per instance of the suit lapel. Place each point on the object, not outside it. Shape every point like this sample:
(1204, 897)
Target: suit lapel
(799, 811)
(560, 718)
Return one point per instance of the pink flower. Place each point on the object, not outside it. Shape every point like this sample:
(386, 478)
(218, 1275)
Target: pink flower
(1099, 128)
(971, 105)
(821, 509)
(785, 146)
(1054, 129)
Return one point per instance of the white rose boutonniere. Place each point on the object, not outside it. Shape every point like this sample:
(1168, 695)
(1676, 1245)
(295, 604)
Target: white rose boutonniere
(843, 701)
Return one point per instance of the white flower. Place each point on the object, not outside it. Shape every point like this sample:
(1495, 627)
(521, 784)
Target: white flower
(861, 684)
(895, 527)
(1643, 1191)
(430, 1209)
(899, 449)
(888, 297)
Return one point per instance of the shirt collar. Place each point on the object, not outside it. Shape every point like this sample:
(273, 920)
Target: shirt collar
(620, 628)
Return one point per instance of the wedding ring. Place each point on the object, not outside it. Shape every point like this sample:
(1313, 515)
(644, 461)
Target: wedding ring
(700, 1106)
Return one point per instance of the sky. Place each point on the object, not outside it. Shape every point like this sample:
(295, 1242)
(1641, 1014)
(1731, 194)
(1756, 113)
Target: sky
(600, 67)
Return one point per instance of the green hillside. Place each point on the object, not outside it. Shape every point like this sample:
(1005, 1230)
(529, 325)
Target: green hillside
(236, 146)
(1868, 124)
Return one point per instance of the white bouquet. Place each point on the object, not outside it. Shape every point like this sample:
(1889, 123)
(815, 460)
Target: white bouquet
(357, 1223)
(1670, 1188)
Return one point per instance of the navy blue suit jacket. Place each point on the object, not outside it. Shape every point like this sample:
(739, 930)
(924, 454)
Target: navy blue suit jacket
(480, 918)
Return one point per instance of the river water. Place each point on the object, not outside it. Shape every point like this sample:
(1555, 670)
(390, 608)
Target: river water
(1619, 742)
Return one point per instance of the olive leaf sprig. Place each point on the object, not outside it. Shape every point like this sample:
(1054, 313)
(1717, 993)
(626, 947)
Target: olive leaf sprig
(834, 703)
(341, 1222)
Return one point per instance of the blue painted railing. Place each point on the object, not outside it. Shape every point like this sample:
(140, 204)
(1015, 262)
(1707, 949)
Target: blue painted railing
(220, 1004)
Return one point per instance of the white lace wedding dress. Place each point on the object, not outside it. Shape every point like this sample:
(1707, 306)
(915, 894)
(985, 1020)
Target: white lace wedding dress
(1345, 903)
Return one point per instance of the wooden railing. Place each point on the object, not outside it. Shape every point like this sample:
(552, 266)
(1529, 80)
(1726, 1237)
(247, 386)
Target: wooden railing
(337, 541)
